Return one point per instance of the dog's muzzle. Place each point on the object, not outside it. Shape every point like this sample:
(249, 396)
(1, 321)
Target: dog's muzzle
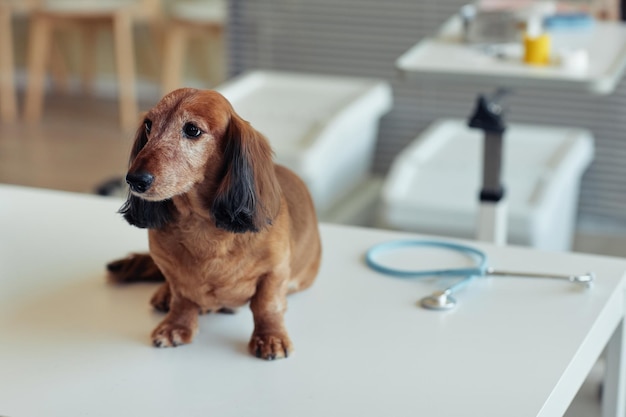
(139, 182)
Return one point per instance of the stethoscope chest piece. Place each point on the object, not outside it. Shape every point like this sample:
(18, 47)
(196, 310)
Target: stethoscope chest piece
(440, 300)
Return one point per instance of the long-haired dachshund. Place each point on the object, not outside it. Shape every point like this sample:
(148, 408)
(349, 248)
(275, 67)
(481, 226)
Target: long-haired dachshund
(226, 225)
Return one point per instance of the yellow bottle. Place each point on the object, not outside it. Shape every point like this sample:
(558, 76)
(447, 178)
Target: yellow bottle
(536, 44)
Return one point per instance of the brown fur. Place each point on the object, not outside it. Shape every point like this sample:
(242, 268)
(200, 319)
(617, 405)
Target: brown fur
(227, 227)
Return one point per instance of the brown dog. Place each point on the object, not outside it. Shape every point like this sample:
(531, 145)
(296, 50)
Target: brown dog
(226, 225)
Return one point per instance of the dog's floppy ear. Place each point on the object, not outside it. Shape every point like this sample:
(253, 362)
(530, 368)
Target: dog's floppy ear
(142, 213)
(248, 195)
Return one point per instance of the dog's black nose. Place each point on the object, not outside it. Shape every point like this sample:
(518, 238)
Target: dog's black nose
(139, 182)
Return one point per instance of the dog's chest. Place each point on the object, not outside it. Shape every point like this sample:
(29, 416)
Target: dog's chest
(211, 272)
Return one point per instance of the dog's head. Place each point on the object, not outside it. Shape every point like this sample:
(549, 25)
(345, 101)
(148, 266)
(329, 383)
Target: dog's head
(192, 140)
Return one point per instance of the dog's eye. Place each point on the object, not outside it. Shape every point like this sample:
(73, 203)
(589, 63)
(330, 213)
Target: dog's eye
(191, 131)
(147, 124)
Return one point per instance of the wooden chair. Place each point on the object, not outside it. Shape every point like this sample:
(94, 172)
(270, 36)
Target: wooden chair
(188, 20)
(8, 96)
(88, 15)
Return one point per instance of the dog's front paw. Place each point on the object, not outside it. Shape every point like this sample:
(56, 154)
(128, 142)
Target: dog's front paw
(171, 335)
(270, 346)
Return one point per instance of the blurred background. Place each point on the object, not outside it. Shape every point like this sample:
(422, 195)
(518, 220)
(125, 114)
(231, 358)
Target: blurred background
(74, 121)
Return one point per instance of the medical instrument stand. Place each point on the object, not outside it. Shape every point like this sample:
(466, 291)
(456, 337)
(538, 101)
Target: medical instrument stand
(492, 216)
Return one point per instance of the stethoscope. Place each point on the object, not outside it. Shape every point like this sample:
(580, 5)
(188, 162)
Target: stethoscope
(443, 299)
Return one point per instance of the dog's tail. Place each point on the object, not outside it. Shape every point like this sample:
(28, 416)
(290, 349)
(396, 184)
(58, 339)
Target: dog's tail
(136, 267)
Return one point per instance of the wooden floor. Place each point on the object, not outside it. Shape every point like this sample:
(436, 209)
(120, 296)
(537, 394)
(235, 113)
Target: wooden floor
(76, 147)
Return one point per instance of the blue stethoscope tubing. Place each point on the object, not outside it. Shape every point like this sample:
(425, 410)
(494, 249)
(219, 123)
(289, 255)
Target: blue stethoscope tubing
(442, 300)
(468, 273)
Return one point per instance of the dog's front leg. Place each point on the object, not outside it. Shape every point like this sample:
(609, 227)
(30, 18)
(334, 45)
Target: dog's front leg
(162, 298)
(179, 326)
(270, 340)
